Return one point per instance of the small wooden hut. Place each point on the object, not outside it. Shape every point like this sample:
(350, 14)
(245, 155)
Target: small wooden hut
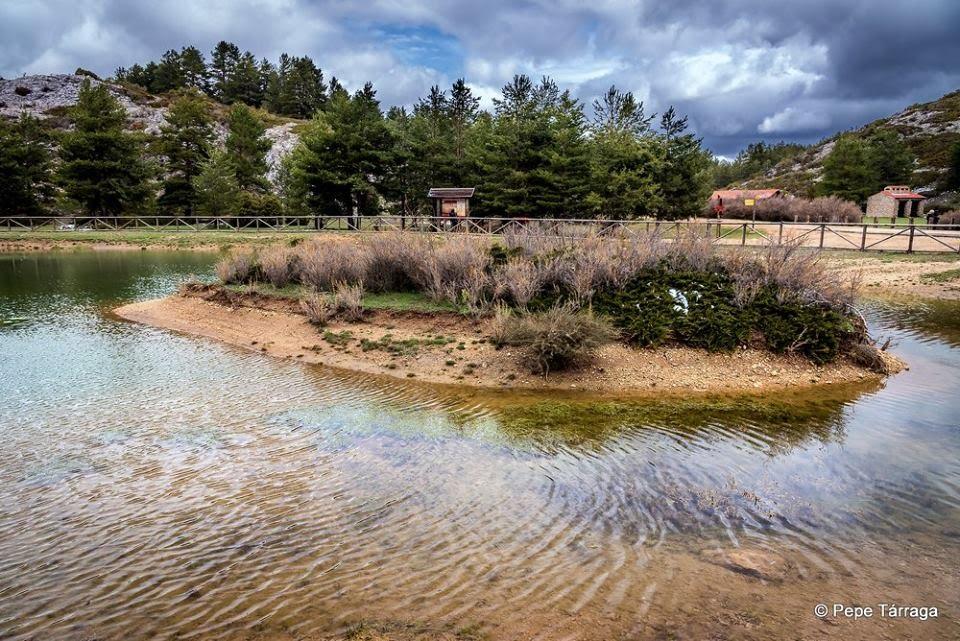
(451, 202)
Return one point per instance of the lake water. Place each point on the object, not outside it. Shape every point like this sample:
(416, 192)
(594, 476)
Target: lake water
(153, 485)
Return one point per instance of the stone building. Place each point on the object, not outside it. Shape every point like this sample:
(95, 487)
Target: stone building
(895, 201)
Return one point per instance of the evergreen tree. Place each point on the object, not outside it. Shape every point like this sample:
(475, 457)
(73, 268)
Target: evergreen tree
(25, 171)
(297, 89)
(684, 169)
(243, 84)
(343, 155)
(619, 113)
(463, 108)
(247, 147)
(848, 171)
(626, 160)
(101, 166)
(953, 172)
(168, 75)
(223, 62)
(193, 68)
(399, 186)
(185, 143)
(217, 193)
(891, 159)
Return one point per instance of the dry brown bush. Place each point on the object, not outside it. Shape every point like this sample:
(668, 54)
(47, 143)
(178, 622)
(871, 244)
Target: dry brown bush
(318, 307)
(348, 301)
(827, 209)
(454, 266)
(327, 261)
(344, 303)
(397, 261)
(278, 265)
(520, 279)
(237, 267)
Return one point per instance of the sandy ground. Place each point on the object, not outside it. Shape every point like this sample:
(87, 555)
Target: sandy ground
(898, 278)
(466, 356)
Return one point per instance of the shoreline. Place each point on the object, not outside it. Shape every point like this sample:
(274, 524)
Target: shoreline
(448, 349)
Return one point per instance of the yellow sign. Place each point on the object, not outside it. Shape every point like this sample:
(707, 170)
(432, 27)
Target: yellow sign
(748, 202)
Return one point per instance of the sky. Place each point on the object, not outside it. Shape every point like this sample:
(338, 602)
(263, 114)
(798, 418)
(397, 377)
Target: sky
(742, 70)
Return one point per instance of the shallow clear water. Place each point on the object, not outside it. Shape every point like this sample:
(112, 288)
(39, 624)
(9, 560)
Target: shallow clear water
(154, 485)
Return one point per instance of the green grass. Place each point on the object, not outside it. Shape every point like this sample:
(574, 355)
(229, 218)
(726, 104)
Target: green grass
(941, 277)
(389, 301)
(174, 239)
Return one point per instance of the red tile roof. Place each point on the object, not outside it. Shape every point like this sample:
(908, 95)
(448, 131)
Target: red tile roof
(902, 195)
(736, 194)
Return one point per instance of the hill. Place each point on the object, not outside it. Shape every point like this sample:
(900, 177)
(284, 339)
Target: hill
(49, 97)
(930, 130)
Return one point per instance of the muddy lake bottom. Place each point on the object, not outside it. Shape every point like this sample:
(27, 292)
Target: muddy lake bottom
(157, 486)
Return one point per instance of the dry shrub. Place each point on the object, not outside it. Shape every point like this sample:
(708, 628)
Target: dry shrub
(950, 218)
(556, 338)
(278, 265)
(455, 268)
(532, 239)
(345, 303)
(318, 307)
(519, 278)
(798, 273)
(237, 267)
(827, 209)
(396, 261)
(500, 324)
(868, 354)
(325, 262)
(691, 251)
(348, 301)
(191, 286)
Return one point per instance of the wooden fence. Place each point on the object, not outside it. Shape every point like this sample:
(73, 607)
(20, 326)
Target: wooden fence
(852, 236)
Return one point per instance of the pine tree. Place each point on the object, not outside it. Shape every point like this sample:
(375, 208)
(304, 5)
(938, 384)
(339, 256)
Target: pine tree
(193, 68)
(463, 108)
(848, 171)
(101, 166)
(953, 172)
(217, 193)
(168, 75)
(626, 159)
(25, 171)
(223, 62)
(684, 169)
(247, 147)
(891, 159)
(185, 143)
(343, 155)
(620, 113)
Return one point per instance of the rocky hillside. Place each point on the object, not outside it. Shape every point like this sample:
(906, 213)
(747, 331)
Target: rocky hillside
(930, 130)
(49, 97)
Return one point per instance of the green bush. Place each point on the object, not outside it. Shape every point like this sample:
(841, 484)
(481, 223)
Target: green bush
(647, 313)
(556, 338)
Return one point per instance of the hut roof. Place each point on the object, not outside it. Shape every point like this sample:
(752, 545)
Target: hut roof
(736, 194)
(450, 192)
(900, 192)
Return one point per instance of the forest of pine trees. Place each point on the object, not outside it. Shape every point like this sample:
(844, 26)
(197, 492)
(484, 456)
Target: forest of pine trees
(537, 153)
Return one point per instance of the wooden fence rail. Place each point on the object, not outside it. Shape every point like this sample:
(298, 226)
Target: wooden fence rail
(863, 236)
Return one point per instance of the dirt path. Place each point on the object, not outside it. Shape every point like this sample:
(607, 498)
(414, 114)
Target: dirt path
(901, 278)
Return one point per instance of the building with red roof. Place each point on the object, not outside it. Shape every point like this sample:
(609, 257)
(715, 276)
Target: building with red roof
(895, 201)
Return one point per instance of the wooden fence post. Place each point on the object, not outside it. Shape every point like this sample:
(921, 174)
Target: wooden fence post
(743, 238)
(863, 239)
(823, 231)
(780, 234)
(910, 242)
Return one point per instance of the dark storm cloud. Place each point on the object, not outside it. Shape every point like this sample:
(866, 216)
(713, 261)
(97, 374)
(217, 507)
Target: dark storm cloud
(742, 70)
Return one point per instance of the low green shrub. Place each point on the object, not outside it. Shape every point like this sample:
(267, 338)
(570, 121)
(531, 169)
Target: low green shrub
(556, 338)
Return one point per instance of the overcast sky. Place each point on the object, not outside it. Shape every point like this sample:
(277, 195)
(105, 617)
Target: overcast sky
(743, 70)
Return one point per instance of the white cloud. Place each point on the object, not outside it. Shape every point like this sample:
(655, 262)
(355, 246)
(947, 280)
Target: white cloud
(794, 120)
